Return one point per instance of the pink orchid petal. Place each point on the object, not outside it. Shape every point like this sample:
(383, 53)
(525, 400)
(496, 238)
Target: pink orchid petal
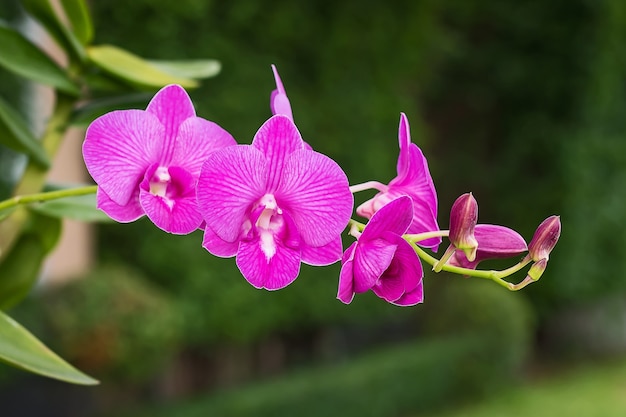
(197, 138)
(494, 242)
(119, 147)
(345, 292)
(218, 246)
(231, 180)
(172, 106)
(404, 142)
(279, 102)
(277, 138)
(322, 255)
(273, 274)
(371, 259)
(176, 212)
(123, 214)
(404, 273)
(411, 298)
(314, 191)
(182, 218)
(418, 184)
(394, 217)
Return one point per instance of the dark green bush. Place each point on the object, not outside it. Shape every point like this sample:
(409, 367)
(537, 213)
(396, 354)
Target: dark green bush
(479, 340)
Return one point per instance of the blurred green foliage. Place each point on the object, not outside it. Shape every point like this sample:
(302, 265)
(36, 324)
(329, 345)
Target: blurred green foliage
(518, 102)
(111, 323)
(477, 344)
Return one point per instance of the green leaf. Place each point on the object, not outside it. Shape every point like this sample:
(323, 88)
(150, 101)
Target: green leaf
(18, 347)
(197, 69)
(44, 12)
(6, 213)
(15, 134)
(23, 58)
(78, 15)
(133, 69)
(95, 108)
(81, 208)
(20, 268)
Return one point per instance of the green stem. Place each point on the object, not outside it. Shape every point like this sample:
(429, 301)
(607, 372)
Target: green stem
(34, 176)
(354, 224)
(50, 195)
(426, 235)
(495, 276)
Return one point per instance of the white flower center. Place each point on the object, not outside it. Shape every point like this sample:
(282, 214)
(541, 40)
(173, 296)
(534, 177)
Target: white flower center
(159, 181)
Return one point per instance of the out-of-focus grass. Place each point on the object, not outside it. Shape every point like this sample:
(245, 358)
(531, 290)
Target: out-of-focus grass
(591, 391)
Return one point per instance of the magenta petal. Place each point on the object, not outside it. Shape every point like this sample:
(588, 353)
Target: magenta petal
(315, 192)
(123, 214)
(176, 210)
(394, 217)
(322, 255)
(277, 138)
(279, 102)
(411, 298)
(404, 273)
(404, 142)
(197, 138)
(172, 106)
(494, 242)
(217, 246)
(231, 180)
(180, 216)
(345, 292)
(272, 274)
(371, 259)
(119, 147)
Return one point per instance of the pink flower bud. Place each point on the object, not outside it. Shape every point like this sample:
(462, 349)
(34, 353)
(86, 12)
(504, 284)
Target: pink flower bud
(463, 217)
(545, 238)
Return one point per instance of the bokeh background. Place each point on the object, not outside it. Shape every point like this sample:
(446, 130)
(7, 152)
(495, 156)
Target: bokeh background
(521, 102)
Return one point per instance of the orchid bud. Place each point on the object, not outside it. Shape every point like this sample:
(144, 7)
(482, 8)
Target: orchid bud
(463, 217)
(545, 238)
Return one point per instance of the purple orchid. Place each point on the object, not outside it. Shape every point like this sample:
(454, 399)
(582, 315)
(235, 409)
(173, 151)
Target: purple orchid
(381, 260)
(494, 242)
(274, 204)
(148, 162)
(414, 180)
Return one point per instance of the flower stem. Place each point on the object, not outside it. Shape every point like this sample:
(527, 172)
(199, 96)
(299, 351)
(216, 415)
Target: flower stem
(354, 225)
(495, 276)
(50, 195)
(418, 237)
(368, 186)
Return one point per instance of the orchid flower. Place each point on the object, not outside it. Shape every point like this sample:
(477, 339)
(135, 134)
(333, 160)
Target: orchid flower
(494, 242)
(148, 162)
(274, 204)
(414, 180)
(381, 260)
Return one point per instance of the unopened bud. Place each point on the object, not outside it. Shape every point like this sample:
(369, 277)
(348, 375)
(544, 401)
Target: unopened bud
(545, 238)
(463, 217)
